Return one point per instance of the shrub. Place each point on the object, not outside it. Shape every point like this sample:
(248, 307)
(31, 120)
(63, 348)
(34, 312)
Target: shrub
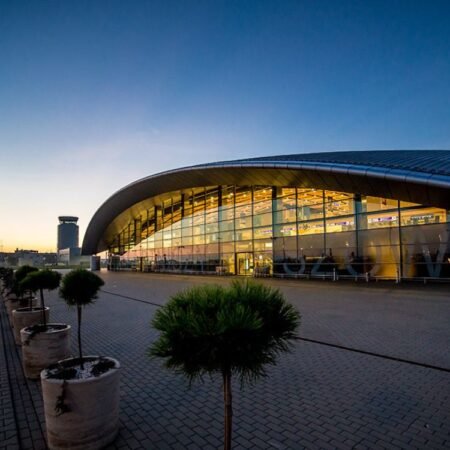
(79, 288)
(234, 331)
(38, 281)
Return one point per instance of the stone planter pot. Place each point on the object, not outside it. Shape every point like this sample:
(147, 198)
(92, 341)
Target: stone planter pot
(11, 303)
(23, 317)
(15, 303)
(92, 418)
(45, 348)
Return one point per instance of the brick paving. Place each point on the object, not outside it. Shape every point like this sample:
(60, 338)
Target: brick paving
(317, 397)
(21, 402)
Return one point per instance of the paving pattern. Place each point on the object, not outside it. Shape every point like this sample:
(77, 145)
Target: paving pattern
(317, 397)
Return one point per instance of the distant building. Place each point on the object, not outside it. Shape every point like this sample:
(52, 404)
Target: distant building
(67, 232)
(69, 252)
(22, 257)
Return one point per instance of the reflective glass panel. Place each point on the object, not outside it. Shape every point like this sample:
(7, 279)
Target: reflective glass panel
(262, 220)
(312, 227)
(423, 216)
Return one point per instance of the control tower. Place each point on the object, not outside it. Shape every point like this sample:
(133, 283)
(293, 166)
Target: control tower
(67, 232)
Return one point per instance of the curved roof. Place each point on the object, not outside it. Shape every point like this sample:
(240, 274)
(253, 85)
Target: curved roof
(418, 176)
(427, 161)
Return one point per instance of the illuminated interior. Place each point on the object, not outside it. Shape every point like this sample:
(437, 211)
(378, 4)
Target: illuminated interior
(273, 231)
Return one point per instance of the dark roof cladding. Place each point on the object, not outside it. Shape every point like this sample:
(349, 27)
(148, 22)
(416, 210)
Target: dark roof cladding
(427, 161)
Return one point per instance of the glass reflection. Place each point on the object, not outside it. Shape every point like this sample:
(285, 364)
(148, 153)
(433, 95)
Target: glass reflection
(264, 230)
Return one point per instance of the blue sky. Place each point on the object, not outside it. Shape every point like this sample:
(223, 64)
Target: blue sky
(94, 95)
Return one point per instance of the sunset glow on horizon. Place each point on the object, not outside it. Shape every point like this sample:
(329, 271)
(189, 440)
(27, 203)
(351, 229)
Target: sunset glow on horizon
(95, 95)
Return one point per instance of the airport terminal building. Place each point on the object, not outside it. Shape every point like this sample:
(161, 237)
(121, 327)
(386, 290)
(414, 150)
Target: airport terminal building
(372, 214)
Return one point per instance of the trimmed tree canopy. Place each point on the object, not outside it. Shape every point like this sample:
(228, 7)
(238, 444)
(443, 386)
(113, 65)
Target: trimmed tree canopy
(80, 287)
(41, 279)
(19, 275)
(227, 331)
(23, 271)
(210, 329)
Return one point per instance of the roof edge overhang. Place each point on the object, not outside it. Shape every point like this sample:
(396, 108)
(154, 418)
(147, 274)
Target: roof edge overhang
(407, 185)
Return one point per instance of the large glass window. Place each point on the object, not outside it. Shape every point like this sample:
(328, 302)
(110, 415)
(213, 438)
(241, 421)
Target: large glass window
(243, 222)
(312, 227)
(226, 213)
(227, 236)
(310, 212)
(286, 215)
(339, 224)
(380, 220)
(262, 207)
(378, 204)
(423, 216)
(264, 230)
(243, 211)
(338, 204)
(262, 220)
(262, 194)
(309, 197)
(243, 195)
(228, 196)
(244, 235)
(285, 230)
(212, 199)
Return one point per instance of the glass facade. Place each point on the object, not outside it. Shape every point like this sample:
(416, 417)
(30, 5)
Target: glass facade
(277, 231)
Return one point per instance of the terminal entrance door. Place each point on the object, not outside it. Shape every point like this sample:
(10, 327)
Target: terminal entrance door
(244, 263)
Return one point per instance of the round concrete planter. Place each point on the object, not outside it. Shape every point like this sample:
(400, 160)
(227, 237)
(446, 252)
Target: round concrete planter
(13, 303)
(23, 317)
(92, 418)
(44, 348)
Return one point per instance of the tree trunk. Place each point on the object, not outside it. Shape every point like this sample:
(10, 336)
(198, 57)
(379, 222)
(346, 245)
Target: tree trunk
(80, 353)
(44, 320)
(30, 300)
(227, 397)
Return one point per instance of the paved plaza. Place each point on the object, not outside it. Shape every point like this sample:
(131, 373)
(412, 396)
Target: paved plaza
(372, 370)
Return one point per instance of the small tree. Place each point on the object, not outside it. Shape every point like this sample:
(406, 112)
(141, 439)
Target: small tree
(38, 281)
(79, 288)
(20, 274)
(234, 331)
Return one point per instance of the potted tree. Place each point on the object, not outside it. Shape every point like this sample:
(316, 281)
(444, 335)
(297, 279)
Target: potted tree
(34, 281)
(229, 332)
(19, 297)
(81, 395)
(43, 343)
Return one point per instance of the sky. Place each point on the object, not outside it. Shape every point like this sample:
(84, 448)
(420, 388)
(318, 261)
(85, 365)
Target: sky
(97, 94)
